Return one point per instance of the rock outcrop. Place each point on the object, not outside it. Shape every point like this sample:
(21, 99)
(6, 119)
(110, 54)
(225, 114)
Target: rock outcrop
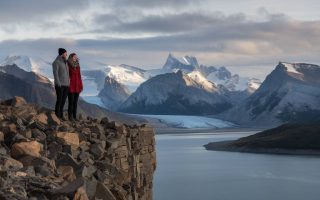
(42, 157)
(296, 139)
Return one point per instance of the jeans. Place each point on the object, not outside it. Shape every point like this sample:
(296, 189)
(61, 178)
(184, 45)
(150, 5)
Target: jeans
(62, 93)
(72, 104)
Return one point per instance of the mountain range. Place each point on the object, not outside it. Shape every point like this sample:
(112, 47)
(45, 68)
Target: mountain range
(230, 86)
(126, 79)
(290, 93)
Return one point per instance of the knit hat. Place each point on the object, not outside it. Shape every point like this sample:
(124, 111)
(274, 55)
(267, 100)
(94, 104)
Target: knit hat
(61, 51)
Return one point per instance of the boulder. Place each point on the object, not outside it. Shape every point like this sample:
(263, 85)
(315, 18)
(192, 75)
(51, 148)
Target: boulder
(38, 134)
(69, 138)
(53, 119)
(97, 150)
(31, 148)
(15, 101)
(42, 171)
(71, 188)
(37, 161)
(7, 163)
(42, 118)
(68, 160)
(66, 173)
(103, 192)
(81, 194)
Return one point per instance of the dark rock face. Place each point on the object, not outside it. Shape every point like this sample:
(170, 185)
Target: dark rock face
(44, 158)
(113, 93)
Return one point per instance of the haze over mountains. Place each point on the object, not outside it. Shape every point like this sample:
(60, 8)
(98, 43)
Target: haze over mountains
(185, 87)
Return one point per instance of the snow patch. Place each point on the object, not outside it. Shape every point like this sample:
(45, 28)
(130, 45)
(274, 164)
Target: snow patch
(291, 68)
(30, 64)
(199, 78)
(129, 77)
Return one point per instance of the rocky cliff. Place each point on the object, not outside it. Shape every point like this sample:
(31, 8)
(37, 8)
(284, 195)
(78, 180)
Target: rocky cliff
(42, 157)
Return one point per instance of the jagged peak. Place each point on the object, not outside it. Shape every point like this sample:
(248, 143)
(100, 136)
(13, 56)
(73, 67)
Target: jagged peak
(187, 60)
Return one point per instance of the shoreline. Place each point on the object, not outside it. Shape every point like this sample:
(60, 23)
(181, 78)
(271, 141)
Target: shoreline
(161, 131)
(226, 146)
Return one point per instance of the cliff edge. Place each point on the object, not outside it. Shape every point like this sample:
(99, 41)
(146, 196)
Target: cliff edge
(42, 157)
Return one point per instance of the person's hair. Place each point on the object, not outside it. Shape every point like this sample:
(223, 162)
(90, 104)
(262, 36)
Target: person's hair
(71, 56)
(71, 62)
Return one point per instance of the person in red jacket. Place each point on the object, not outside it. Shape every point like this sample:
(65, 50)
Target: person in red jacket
(75, 86)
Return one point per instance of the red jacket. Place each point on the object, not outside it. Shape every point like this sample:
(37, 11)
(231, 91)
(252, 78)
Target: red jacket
(75, 79)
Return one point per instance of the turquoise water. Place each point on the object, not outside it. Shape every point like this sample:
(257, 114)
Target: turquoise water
(187, 171)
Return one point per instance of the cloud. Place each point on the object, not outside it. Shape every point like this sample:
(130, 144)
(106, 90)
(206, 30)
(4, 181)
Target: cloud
(143, 32)
(170, 23)
(153, 3)
(24, 11)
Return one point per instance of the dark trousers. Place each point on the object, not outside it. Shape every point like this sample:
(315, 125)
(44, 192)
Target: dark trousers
(72, 104)
(62, 93)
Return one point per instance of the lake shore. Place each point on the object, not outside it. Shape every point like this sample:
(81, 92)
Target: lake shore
(169, 130)
(227, 146)
(293, 139)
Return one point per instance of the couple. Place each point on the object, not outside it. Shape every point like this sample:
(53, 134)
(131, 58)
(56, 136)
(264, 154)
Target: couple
(67, 82)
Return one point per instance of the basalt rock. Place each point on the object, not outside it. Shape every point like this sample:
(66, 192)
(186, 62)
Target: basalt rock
(42, 157)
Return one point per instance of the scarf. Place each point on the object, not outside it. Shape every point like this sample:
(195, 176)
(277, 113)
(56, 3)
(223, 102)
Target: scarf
(73, 63)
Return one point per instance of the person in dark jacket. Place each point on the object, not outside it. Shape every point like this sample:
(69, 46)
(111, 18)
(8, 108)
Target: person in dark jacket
(61, 81)
(75, 86)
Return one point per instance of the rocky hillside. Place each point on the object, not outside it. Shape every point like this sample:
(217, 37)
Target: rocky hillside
(44, 158)
(285, 139)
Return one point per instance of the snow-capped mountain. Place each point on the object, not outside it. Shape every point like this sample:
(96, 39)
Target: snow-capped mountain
(290, 92)
(130, 77)
(113, 94)
(94, 82)
(186, 63)
(127, 75)
(30, 64)
(217, 75)
(176, 93)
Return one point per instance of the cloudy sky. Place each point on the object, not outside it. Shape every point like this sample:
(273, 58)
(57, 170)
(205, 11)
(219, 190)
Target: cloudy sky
(248, 36)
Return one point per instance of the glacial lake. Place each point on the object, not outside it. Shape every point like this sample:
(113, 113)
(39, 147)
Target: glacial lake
(186, 171)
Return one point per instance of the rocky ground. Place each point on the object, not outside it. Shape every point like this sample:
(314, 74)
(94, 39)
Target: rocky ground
(42, 157)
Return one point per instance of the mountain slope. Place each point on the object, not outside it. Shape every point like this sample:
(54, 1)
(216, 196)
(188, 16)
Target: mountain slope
(113, 94)
(127, 75)
(290, 93)
(175, 93)
(33, 87)
(30, 64)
